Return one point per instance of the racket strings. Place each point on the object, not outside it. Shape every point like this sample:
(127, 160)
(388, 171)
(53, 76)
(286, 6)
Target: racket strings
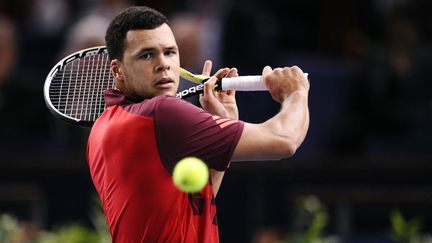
(77, 89)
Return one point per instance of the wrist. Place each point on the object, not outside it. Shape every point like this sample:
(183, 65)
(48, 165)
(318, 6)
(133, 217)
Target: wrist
(296, 95)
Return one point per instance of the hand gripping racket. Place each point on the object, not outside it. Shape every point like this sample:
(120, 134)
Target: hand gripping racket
(73, 89)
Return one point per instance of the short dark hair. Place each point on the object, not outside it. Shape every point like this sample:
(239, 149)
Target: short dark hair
(132, 18)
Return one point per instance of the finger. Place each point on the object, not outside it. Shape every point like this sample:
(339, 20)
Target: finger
(278, 70)
(221, 72)
(208, 86)
(207, 68)
(233, 72)
(295, 70)
(230, 92)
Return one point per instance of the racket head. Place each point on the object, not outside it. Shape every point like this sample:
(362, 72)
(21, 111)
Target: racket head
(73, 89)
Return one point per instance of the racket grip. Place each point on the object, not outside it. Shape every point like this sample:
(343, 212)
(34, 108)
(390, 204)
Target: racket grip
(245, 83)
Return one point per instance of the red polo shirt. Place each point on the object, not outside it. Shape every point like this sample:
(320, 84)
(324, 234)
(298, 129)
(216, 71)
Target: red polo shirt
(131, 152)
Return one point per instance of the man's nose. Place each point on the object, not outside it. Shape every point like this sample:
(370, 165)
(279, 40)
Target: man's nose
(162, 64)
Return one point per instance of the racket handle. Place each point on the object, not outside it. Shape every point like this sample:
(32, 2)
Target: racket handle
(244, 83)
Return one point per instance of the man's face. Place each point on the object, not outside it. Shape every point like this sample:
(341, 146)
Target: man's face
(150, 65)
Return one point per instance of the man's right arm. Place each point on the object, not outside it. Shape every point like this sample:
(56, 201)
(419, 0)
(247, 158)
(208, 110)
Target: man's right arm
(280, 136)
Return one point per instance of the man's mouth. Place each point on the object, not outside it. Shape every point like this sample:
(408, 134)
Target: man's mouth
(165, 83)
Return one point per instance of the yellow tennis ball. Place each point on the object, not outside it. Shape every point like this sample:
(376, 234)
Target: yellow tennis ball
(190, 174)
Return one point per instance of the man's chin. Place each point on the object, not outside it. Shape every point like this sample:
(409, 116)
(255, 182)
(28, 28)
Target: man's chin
(166, 92)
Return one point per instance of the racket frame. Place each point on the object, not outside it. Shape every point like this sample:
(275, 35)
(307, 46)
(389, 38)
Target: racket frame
(59, 66)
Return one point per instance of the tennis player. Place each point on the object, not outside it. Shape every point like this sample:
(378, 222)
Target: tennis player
(145, 130)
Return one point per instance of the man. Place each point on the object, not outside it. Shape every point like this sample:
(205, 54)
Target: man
(145, 130)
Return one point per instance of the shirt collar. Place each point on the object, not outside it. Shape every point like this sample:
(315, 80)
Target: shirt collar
(116, 97)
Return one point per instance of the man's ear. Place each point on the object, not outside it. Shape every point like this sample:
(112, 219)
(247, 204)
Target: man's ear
(117, 72)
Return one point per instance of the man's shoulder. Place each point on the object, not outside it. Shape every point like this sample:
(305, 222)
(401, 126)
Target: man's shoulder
(160, 104)
(169, 102)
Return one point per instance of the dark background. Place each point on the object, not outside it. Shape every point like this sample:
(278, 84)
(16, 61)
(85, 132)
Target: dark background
(368, 150)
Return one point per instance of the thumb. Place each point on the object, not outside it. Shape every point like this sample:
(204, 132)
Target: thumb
(266, 71)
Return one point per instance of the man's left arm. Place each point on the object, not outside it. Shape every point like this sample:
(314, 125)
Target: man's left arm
(220, 103)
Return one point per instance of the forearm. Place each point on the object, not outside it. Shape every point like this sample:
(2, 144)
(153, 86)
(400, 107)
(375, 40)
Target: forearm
(280, 136)
(292, 122)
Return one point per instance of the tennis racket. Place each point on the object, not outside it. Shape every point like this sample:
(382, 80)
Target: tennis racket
(73, 89)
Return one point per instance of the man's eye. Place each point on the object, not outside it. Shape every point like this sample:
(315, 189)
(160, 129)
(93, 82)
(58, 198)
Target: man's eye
(146, 56)
(170, 53)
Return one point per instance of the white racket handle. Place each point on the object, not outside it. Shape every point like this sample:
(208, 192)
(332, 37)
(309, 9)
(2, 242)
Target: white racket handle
(244, 83)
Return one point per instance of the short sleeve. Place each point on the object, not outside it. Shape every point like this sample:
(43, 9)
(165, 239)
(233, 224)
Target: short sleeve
(183, 130)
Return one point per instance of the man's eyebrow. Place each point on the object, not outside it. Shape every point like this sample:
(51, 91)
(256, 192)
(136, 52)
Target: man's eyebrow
(144, 50)
(153, 49)
(171, 48)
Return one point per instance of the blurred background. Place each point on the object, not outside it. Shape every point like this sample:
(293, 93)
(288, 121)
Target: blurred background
(362, 174)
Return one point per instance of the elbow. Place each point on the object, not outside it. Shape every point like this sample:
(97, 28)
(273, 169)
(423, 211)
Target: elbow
(286, 148)
(290, 143)
(289, 150)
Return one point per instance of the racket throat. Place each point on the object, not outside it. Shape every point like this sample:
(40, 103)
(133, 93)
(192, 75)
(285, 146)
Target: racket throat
(194, 90)
(197, 89)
